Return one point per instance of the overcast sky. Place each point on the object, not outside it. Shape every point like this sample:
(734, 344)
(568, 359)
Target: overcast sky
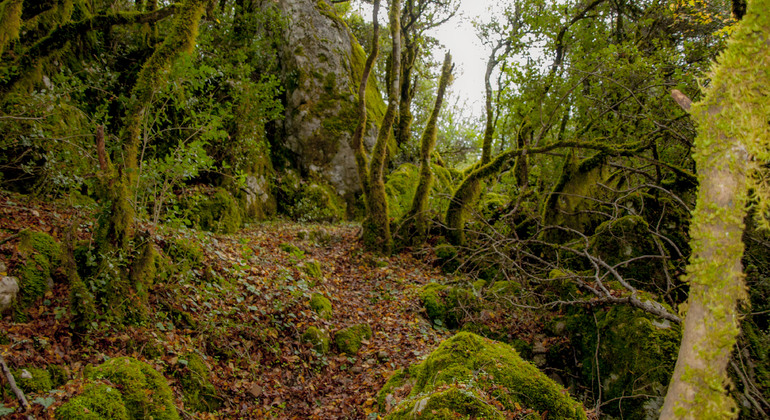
(469, 55)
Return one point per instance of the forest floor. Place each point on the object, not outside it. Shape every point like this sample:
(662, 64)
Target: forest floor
(243, 307)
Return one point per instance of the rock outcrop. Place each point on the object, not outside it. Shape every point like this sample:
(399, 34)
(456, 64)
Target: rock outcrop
(322, 64)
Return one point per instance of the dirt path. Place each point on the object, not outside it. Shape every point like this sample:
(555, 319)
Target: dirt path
(243, 308)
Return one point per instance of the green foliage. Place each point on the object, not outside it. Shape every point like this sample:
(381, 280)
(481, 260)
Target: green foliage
(97, 402)
(493, 375)
(321, 305)
(219, 212)
(145, 392)
(310, 200)
(349, 340)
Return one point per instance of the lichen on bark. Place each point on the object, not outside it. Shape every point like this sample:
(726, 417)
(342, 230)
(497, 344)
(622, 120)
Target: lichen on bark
(732, 120)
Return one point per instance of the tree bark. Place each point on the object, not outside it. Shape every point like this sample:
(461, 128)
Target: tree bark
(376, 227)
(732, 120)
(427, 144)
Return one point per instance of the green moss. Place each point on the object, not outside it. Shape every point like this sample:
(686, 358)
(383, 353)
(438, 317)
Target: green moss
(143, 272)
(10, 22)
(636, 356)
(626, 238)
(446, 306)
(97, 402)
(318, 202)
(313, 269)
(504, 288)
(447, 404)
(31, 243)
(219, 213)
(433, 301)
(447, 256)
(321, 305)
(145, 392)
(490, 369)
(318, 338)
(397, 380)
(199, 394)
(58, 375)
(39, 382)
(349, 339)
(42, 256)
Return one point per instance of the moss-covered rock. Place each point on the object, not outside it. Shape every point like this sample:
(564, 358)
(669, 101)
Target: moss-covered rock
(321, 305)
(42, 256)
(349, 340)
(34, 380)
(219, 212)
(145, 391)
(311, 200)
(446, 306)
(97, 402)
(433, 301)
(448, 257)
(199, 393)
(468, 375)
(447, 404)
(318, 338)
(313, 270)
(636, 355)
(625, 239)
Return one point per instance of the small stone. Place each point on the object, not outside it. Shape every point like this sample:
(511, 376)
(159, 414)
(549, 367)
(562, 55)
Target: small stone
(25, 374)
(9, 289)
(356, 369)
(382, 355)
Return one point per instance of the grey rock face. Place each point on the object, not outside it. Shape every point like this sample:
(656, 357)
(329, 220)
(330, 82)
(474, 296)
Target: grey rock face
(322, 64)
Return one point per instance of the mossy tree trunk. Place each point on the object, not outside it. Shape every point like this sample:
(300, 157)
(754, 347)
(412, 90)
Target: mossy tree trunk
(376, 226)
(732, 120)
(469, 190)
(418, 211)
(10, 22)
(127, 292)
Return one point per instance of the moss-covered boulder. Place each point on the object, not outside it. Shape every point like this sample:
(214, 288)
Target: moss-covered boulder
(350, 339)
(42, 256)
(313, 270)
(318, 338)
(322, 65)
(447, 257)
(34, 380)
(627, 239)
(97, 402)
(321, 305)
(145, 391)
(309, 200)
(446, 306)
(469, 376)
(636, 356)
(447, 404)
(219, 212)
(198, 391)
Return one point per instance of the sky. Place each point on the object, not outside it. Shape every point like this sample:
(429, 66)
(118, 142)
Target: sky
(469, 55)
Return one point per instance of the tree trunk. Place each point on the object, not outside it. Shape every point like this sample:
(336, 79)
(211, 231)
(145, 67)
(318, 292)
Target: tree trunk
(376, 226)
(732, 120)
(427, 144)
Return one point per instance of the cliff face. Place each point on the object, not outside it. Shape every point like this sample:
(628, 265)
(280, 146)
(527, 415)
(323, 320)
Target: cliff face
(322, 64)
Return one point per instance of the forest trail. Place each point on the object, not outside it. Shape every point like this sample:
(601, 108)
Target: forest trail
(243, 305)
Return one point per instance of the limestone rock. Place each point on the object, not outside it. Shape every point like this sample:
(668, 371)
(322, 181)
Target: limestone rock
(9, 289)
(322, 65)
